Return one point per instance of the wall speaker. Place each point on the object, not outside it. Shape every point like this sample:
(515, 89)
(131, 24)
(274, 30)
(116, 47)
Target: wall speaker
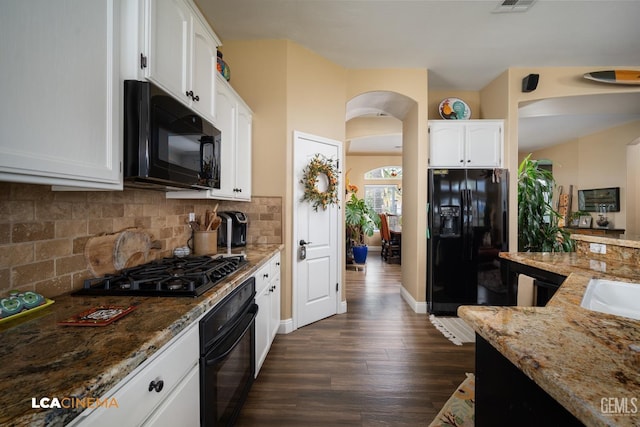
(530, 83)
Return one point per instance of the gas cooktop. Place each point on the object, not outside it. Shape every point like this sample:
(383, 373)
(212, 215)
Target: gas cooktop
(174, 276)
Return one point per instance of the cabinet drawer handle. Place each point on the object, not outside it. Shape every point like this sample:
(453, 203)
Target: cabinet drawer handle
(189, 93)
(265, 275)
(196, 98)
(156, 385)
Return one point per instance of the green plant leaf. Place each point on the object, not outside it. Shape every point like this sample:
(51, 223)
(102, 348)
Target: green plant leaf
(538, 229)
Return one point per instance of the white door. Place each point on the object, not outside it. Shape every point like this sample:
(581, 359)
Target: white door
(315, 278)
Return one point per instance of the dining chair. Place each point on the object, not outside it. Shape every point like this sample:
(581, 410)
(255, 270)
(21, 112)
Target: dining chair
(390, 247)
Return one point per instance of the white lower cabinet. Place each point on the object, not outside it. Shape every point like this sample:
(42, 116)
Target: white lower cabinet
(176, 410)
(268, 300)
(164, 390)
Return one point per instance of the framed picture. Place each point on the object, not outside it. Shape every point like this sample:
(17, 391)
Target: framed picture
(593, 200)
(585, 221)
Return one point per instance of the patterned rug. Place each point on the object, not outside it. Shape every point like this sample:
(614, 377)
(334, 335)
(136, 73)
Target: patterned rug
(454, 328)
(459, 411)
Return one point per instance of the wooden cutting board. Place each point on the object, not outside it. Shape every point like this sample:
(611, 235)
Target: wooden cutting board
(112, 252)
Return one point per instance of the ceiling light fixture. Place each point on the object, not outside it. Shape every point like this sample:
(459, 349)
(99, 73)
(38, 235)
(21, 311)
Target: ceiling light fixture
(513, 6)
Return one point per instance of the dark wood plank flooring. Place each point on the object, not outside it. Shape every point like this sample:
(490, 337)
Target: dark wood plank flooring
(379, 364)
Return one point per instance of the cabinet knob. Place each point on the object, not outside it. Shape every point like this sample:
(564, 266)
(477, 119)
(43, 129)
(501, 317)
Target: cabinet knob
(189, 93)
(156, 385)
(265, 275)
(461, 161)
(196, 98)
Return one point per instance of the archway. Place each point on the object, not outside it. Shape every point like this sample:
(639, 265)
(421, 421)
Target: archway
(394, 120)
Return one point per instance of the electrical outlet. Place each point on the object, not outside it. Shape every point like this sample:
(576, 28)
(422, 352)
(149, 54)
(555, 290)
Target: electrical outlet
(192, 216)
(598, 248)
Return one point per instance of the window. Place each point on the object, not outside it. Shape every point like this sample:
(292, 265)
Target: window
(385, 172)
(385, 198)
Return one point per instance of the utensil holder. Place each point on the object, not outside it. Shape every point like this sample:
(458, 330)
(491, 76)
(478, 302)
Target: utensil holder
(205, 242)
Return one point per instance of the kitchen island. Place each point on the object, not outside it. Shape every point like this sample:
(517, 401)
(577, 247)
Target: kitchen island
(41, 359)
(587, 362)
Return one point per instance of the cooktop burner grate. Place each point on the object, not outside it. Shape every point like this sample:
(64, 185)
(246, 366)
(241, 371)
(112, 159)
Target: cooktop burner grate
(174, 276)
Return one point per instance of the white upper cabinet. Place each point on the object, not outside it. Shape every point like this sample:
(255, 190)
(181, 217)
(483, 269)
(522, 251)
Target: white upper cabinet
(243, 153)
(234, 120)
(205, 54)
(465, 143)
(60, 118)
(181, 54)
(227, 113)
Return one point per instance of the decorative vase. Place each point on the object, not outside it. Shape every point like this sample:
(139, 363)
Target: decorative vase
(223, 67)
(360, 254)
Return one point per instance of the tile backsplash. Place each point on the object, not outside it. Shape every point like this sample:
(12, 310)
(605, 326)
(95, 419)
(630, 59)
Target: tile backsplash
(43, 233)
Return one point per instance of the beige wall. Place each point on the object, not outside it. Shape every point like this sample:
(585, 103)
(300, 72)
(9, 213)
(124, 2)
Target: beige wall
(633, 190)
(413, 84)
(366, 126)
(501, 98)
(259, 75)
(598, 160)
(288, 88)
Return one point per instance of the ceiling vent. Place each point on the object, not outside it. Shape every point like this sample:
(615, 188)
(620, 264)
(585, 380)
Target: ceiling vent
(513, 6)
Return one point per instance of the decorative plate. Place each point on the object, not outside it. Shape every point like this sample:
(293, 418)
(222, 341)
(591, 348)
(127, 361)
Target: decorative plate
(24, 313)
(98, 316)
(454, 109)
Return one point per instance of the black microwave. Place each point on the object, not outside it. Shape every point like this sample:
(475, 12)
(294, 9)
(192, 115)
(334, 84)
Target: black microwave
(167, 146)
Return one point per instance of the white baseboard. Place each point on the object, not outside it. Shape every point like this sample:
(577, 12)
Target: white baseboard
(286, 326)
(342, 307)
(418, 307)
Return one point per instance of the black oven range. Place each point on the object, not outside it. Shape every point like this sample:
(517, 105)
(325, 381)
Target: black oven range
(173, 276)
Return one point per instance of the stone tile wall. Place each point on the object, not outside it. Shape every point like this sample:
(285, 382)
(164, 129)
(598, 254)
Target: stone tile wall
(43, 233)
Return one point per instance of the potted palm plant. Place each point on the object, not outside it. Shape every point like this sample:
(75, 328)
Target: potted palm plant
(361, 220)
(538, 229)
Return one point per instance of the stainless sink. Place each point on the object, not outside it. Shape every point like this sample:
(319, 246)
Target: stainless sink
(612, 297)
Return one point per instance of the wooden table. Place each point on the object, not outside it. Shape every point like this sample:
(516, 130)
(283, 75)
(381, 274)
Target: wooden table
(608, 232)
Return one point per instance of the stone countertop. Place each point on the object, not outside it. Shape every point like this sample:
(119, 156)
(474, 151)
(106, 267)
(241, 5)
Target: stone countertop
(572, 262)
(579, 357)
(39, 358)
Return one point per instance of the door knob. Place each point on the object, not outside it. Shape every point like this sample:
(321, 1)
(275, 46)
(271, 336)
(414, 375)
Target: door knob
(302, 242)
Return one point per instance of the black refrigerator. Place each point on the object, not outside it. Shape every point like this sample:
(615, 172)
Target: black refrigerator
(467, 229)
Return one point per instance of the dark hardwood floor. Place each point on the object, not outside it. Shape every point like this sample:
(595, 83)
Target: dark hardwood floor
(379, 364)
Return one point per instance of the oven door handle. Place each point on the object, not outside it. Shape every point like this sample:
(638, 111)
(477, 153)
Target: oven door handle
(248, 319)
